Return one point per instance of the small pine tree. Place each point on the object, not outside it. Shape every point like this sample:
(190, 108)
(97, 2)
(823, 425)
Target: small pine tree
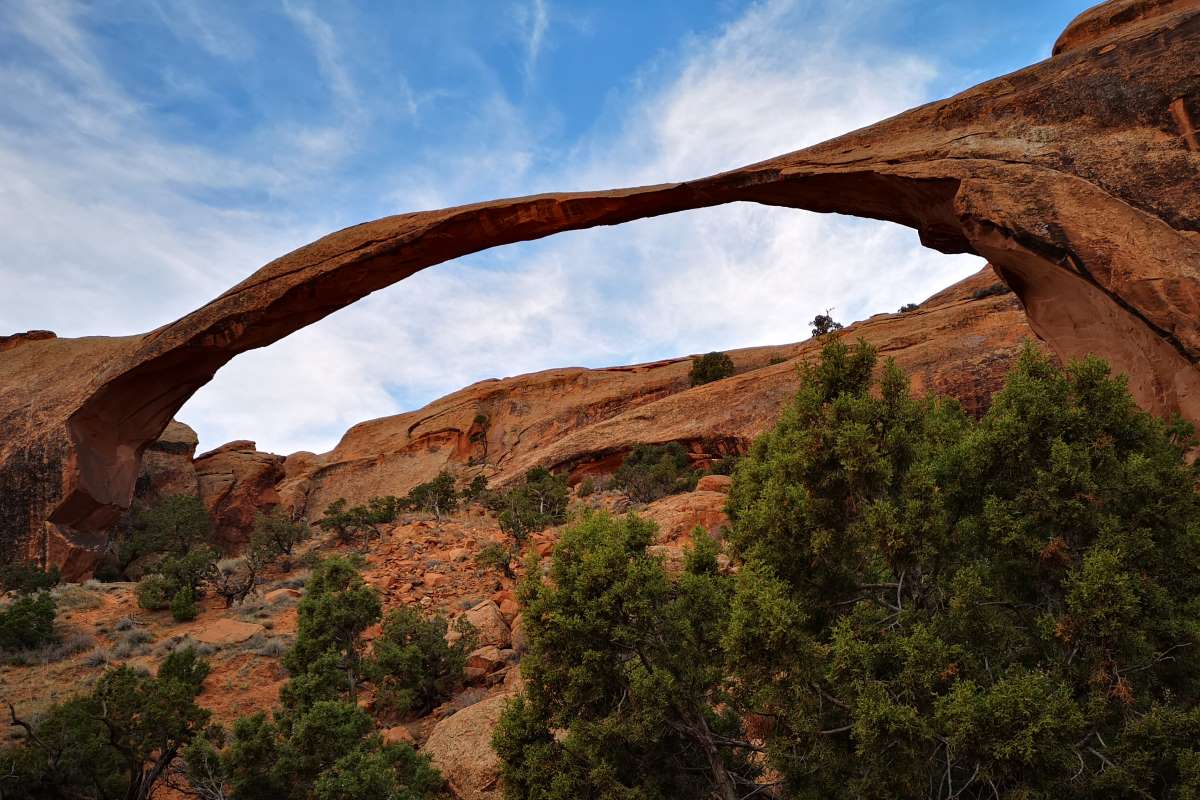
(337, 607)
(436, 497)
(119, 740)
(498, 557)
(536, 504)
(276, 533)
(710, 367)
(362, 521)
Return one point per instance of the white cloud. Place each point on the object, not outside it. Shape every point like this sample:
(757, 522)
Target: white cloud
(535, 19)
(103, 233)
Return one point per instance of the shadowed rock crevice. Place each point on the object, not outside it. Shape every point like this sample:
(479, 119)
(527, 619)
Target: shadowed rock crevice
(1075, 177)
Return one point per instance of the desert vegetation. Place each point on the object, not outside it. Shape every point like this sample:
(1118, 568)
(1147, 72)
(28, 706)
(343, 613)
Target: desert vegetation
(710, 367)
(925, 605)
(653, 471)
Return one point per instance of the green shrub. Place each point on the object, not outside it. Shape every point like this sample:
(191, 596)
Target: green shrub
(27, 622)
(653, 471)
(154, 592)
(27, 578)
(173, 525)
(710, 367)
(276, 533)
(624, 676)
(119, 740)
(587, 487)
(539, 502)
(362, 521)
(436, 497)
(183, 605)
(993, 290)
(907, 307)
(412, 666)
(328, 752)
(189, 570)
(929, 601)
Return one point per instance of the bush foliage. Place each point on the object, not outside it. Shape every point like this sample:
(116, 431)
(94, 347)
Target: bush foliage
(710, 367)
(27, 622)
(623, 675)
(119, 740)
(27, 578)
(930, 601)
(653, 471)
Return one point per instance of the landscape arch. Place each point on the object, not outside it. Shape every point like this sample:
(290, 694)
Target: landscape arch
(1078, 178)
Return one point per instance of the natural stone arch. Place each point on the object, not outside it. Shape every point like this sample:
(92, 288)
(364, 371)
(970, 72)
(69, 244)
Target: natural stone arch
(1077, 178)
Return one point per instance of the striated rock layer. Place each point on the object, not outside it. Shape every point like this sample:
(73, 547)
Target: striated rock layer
(1077, 178)
(585, 421)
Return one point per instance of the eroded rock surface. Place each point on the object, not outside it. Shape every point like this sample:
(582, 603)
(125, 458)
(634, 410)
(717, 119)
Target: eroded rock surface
(237, 481)
(1077, 177)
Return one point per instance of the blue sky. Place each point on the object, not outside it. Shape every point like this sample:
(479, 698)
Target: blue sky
(156, 152)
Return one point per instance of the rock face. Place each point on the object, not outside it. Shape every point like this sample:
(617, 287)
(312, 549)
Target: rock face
(167, 467)
(1078, 178)
(236, 481)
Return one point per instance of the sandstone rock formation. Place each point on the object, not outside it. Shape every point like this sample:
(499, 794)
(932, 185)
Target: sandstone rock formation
(460, 747)
(235, 482)
(1076, 177)
(167, 467)
(585, 421)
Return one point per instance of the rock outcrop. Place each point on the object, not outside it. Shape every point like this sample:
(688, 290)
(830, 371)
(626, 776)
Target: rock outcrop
(461, 748)
(167, 467)
(236, 481)
(1078, 178)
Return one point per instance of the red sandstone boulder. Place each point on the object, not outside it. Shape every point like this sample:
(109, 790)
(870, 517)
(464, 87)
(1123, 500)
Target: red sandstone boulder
(489, 623)
(461, 748)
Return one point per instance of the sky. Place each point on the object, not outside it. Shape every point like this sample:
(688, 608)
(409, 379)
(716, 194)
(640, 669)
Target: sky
(155, 152)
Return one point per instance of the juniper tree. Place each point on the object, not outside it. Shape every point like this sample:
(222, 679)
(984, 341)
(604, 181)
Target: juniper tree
(119, 740)
(931, 607)
(710, 367)
(624, 676)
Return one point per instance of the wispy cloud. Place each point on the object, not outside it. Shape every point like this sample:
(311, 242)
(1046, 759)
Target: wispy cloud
(535, 18)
